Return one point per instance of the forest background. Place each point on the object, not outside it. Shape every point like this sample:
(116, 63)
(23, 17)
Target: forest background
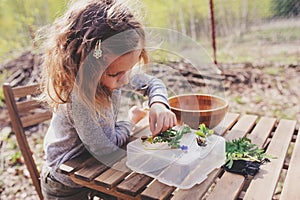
(239, 23)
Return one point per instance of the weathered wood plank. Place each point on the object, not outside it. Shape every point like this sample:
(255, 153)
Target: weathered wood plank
(110, 178)
(112, 192)
(75, 163)
(134, 184)
(229, 120)
(262, 131)
(264, 183)
(25, 106)
(243, 126)
(90, 170)
(157, 190)
(36, 118)
(291, 188)
(24, 90)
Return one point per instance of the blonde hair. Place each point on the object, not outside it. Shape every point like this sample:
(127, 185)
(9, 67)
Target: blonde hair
(70, 42)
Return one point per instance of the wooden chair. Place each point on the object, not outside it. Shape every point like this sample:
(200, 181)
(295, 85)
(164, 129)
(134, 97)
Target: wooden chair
(25, 111)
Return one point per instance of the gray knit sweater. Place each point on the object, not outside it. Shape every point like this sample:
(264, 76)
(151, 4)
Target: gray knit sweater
(73, 129)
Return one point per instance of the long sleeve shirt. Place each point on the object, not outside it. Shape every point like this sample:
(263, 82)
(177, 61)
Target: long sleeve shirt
(73, 129)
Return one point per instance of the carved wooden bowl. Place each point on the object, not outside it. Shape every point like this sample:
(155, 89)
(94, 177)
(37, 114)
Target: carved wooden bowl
(195, 109)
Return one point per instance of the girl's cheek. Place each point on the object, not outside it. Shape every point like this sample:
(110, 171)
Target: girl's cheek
(108, 83)
(124, 80)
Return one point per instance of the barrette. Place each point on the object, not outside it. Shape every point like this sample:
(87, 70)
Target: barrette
(97, 52)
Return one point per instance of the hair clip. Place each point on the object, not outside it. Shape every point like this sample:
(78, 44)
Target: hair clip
(97, 52)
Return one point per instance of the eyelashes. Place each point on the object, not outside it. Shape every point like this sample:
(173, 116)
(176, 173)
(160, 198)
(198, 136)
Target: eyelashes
(116, 74)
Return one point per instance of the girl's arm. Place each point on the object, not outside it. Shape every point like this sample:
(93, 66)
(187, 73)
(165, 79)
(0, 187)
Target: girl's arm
(152, 87)
(161, 118)
(100, 136)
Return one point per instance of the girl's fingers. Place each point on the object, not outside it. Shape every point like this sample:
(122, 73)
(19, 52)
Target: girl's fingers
(174, 120)
(166, 124)
(158, 126)
(152, 125)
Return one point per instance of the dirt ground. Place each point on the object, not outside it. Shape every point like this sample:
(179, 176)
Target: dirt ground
(263, 90)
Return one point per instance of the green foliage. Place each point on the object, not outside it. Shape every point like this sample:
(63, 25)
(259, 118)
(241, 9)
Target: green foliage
(243, 149)
(286, 8)
(237, 10)
(1, 181)
(171, 136)
(1, 97)
(202, 134)
(20, 19)
(15, 158)
(274, 71)
(203, 131)
(3, 76)
(239, 100)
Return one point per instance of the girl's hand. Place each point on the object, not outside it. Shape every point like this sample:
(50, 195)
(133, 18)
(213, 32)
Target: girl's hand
(135, 114)
(160, 118)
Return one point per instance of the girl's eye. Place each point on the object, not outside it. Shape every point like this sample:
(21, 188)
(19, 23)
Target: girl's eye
(115, 75)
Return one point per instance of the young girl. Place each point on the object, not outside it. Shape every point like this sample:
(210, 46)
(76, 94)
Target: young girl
(90, 53)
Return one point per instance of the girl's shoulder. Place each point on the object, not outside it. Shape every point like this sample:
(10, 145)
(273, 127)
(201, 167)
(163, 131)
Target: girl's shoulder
(64, 111)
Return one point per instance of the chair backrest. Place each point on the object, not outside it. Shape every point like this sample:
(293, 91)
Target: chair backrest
(25, 111)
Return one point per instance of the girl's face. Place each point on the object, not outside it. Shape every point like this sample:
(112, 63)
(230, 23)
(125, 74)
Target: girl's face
(118, 72)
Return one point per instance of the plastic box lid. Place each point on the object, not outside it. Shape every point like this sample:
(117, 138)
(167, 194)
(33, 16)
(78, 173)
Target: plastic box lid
(174, 167)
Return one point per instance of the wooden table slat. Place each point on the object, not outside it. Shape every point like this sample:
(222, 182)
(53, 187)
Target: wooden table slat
(112, 192)
(111, 177)
(262, 130)
(243, 126)
(157, 190)
(264, 183)
(90, 170)
(229, 120)
(291, 188)
(75, 163)
(134, 184)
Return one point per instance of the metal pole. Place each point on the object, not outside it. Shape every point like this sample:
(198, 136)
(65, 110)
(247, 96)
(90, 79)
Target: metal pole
(213, 31)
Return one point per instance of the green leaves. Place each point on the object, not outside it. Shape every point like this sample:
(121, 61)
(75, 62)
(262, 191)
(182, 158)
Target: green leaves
(171, 136)
(243, 149)
(202, 134)
(203, 131)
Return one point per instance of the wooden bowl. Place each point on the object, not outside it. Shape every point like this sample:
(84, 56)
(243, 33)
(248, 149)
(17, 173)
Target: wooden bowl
(195, 109)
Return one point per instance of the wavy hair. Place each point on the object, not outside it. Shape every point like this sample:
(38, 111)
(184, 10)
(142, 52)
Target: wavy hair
(67, 61)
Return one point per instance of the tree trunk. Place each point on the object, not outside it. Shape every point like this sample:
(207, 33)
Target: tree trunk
(192, 22)
(181, 20)
(244, 25)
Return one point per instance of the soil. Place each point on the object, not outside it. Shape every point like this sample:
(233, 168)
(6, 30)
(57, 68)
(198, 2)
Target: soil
(267, 90)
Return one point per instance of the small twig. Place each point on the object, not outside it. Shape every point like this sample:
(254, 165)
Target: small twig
(279, 86)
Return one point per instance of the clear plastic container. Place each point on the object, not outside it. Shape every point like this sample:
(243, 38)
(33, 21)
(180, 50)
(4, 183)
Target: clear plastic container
(175, 167)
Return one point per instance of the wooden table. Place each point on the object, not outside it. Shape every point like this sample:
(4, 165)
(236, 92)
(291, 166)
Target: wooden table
(280, 138)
